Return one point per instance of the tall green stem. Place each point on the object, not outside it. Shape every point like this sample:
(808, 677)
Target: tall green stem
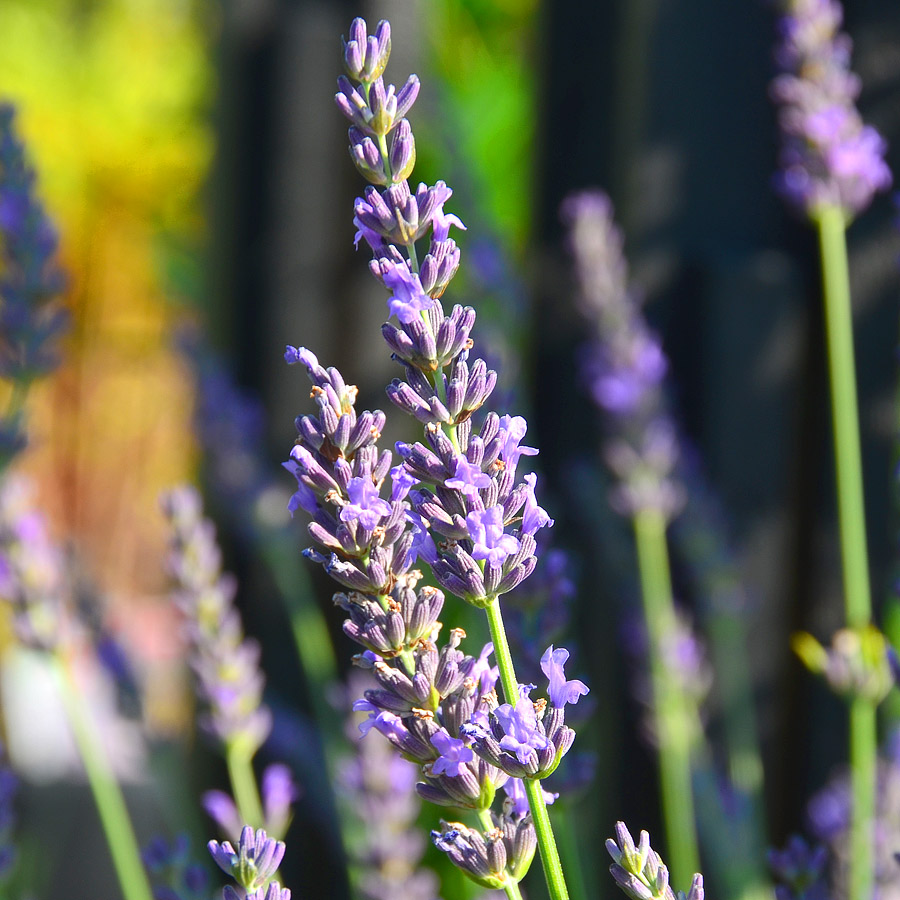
(669, 704)
(556, 882)
(114, 818)
(243, 785)
(851, 517)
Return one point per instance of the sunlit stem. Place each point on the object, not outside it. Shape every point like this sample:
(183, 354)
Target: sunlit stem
(831, 228)
(556, 883)
(669, 703)
(113, 812)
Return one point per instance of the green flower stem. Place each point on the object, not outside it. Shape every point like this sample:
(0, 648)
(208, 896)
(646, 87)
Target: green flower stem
(114, 818)
(845, 416)
(556, 882)
(243, 784)
(670, 710)
(831, 226)
(863, 780)
(512, 887)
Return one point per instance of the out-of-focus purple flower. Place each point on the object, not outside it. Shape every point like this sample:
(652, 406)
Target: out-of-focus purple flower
(624, 366)
(221, 808)
(226, 664)
(453, 753)
(279, 791)
(30, 277)
(828, 156)
(800, 869)
(173, 872)
(485, 528)
(829, 816)
(561, 691)
(378, 789)
(32, 568)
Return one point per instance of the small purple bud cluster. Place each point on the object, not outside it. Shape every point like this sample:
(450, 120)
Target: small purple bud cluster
(625, 365)
(639, 871)
(493, 858)
(30, 277)
(253, 865)
(378, 788)
(800, 870)
(278, 791)
(32, 568)
(829, 158)
(226, 664)
(174, 875)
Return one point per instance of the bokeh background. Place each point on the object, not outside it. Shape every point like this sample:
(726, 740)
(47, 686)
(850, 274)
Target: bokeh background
(192, 157)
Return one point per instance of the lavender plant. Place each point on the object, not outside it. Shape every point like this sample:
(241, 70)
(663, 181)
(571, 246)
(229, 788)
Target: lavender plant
(625, 372)
(831, 166)
(454, 502)
(30, 282)
(226, 665)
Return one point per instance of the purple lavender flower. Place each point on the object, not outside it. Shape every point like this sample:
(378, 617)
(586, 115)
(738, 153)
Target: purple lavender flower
(561, 691)
(520, 725)
(512, 430)
(490, 542)
(408, 300)
(255, 861)
(467, 478)
(828, 156)
(453, 754)
(365, 505)
(225, 663)
(517, 799)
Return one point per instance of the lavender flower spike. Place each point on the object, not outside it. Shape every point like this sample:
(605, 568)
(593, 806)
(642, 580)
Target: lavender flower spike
(829, 158)
(561, 691)
(226, 664)
(639, 871)
(255, 861)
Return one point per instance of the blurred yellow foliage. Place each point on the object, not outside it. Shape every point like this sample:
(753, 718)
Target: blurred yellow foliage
(113, 97)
